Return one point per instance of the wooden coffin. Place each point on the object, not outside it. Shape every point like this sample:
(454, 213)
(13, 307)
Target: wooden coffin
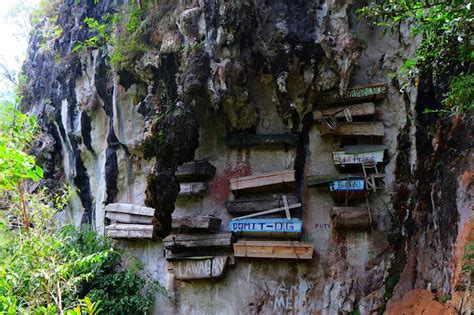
(375, 129)
(130, 209)
(273, 249)
(195, 171)
(192, 189)
(262, 181)
(129, 231)
(181, 242)
(273, 227)
(196, 223)
(354, 95)
(350, 218)
(364, 109)
(200, 267)
(265, 140)
(353, 156)
(128, 218)
(239, 207)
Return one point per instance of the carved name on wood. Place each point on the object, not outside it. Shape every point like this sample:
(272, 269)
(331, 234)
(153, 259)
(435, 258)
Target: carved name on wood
(351, 184)
(343, 158)
(281, 225)
(200, 268)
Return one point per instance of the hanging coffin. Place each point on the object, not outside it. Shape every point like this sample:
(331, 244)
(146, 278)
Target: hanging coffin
(355, 95)
(374, 129)
(273, 227)
(247, 206)
(196, 223)
(265, 140)
(195, 171)
(351, 218)
(262, 182)
(129, 231)
(183, 242)
(273, 249)
(200, 267)
(364, 109)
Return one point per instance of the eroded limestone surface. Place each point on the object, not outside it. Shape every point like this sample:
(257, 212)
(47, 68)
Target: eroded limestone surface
(218, 68)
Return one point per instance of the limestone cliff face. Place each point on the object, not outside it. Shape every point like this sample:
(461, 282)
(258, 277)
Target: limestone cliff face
(212, 68)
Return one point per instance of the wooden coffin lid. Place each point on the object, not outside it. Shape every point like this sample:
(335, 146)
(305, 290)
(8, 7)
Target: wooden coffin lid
(354, 95)
(273, 249)
(130, 209)
(262, 180)
(196, 223)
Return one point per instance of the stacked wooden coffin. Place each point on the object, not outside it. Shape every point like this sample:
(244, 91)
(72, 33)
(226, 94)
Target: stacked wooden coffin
(128, 221)
(193, 177)
(350, 117)
(266, 224)
(196, 249)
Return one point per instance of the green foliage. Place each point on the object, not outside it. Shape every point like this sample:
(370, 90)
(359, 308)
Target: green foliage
(47, 271)
(446, 30)
(16, 131)
(99, 34)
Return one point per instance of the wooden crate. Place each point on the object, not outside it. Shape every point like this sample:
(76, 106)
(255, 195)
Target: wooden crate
(256, 182)
(273, 249)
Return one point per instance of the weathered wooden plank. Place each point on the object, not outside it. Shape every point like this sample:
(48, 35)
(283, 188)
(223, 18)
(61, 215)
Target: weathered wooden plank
(262, 180)
(200, 268)
(364, 109)
(354, 95)
(128, 218)
(196, 223)
(375, 129)
(195, 171)
(262, 140)
(238, 207)
(192, 189)
(350, 218)
(343, 185)
(322, 180)
(176, 242)
(273, 249)
(130, 209)
(129, 231)
(364, 148)
(343, 158)
(278, 227)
